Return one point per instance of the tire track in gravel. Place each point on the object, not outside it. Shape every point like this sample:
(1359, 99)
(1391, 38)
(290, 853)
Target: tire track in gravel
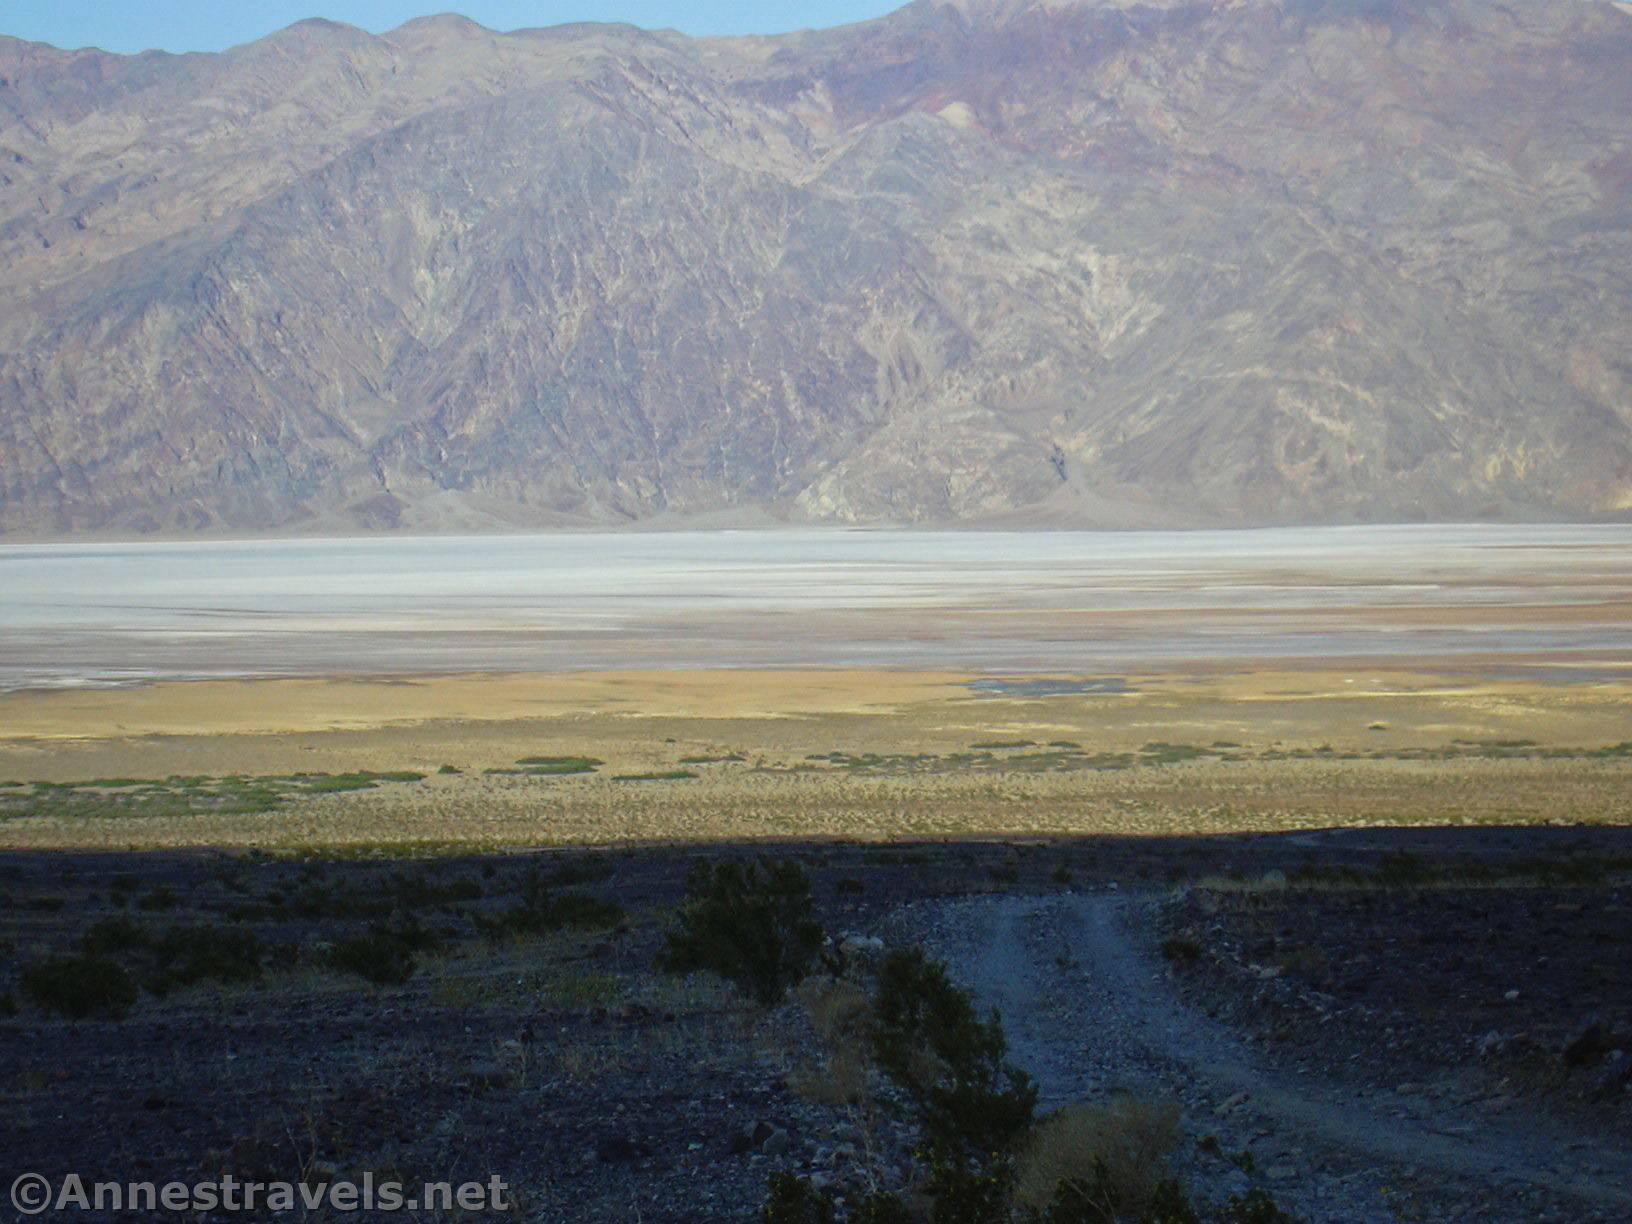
(1090, 1011)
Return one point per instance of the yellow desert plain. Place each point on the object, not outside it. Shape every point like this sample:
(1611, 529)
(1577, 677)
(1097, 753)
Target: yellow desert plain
(764, 754)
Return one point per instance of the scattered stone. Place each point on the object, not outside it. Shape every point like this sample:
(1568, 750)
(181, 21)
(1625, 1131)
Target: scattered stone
(1616, 1073)
(861, 947)
(1230, 1104)
(750, 1136)
(1592, 1043)
(776, 1143)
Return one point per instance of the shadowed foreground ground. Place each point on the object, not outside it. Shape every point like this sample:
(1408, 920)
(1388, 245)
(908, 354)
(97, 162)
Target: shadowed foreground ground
(1269, 984)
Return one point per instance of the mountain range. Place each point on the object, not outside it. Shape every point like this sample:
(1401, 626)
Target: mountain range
(1035, 262)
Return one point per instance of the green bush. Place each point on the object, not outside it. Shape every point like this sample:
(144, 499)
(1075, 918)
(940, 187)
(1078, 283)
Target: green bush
(1101, 1199)
(186, 955)
(419, 892)
(158, 898)
(794, 1201)
(379, 955)
(970, 1194)
(540, 912)
(80, 987)
(1181, 949)
(751, 925)
(560, 764)
(927, 1037)
(115, 934)
(880, 1207)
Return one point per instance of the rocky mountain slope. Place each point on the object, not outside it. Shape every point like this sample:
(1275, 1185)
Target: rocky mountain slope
(1047, 261)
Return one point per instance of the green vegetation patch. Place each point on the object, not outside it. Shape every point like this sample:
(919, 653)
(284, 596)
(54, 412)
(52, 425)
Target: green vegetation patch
(381, 956)
(549, 767)
(541, 912)
(80, 987)
(181, 794)
(1159, 753)
(322, 784)
(560, 764)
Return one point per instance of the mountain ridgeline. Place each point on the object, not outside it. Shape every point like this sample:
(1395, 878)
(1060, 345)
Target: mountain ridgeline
(1072, 262)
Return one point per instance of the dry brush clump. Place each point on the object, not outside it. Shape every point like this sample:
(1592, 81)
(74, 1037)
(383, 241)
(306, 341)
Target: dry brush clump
(841, 1015)
(1109, 1158)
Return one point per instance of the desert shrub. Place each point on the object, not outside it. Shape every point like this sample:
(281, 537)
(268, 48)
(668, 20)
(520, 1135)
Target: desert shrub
(1181, 949)
(419, 892)
(971, 1103)
(80, 987)
(1402, 868)
(312, 899)
(1093, 1200)
(580, 872)
(582, 912)
(793, 1200)
(752, 925)
(579, 989)
(578, 763)
(363, 779)
(1256, 1206)
(158, 898)
(115, 934)
(841, 1015)
(1113, 1156)
(185, 955)
(379, 955)
(881, 1207)
(962, 1193)
(540, 912)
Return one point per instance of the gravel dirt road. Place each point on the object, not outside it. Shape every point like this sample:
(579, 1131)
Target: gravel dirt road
(1090, 1011)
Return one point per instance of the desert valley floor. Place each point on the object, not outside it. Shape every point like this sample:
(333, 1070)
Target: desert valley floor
(1334, 933)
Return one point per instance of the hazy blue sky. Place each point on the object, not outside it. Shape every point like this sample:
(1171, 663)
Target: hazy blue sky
(209, 25)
